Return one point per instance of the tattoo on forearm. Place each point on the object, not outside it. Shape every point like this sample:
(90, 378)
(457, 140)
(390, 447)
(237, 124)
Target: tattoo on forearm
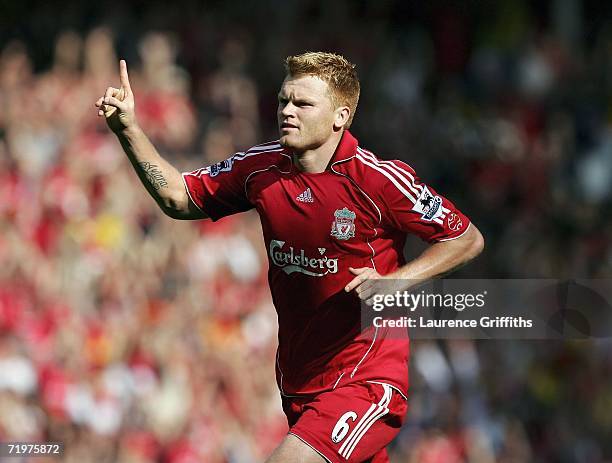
(154, 175)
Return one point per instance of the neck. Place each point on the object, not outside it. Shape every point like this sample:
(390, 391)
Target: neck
(315, 161)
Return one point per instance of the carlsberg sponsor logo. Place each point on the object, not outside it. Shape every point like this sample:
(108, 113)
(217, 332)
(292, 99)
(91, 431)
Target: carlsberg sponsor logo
(291, 260)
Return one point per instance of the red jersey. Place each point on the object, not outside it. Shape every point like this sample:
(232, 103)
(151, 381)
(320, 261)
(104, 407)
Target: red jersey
(316, 225)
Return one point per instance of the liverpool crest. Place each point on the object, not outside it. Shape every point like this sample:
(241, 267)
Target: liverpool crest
(343, 227)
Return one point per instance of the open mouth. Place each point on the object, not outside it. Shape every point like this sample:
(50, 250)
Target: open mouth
(287, 125)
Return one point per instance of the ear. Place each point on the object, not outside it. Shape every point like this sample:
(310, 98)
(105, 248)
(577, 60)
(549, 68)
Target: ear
(341, 116)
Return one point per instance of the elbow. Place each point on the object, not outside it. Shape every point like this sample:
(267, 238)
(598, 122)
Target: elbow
(180, 207)
(477, 244)
(175, 206)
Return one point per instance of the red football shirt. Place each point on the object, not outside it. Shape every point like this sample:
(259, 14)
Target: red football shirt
(316, 225)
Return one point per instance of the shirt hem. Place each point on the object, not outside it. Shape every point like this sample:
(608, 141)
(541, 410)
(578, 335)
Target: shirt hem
(455, 237)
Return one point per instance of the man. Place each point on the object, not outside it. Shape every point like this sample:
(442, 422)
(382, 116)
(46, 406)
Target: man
(334, 219)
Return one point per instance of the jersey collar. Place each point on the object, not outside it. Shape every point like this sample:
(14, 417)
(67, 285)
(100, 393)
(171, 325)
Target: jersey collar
(346, 148)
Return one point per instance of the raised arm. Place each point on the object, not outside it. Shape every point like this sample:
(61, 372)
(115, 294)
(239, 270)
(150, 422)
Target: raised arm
(160, 178)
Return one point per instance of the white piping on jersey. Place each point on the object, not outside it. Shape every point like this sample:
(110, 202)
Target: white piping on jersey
(388, 175)
(273, 142)
(458, 236)
(241, 156)
(411, 184)
(338, 380)
(281, 375)
(188, 192)
(373, 252)
(399, 187)
(256, 149)
(369, 245)
(282, 390)
(399, 171)
(373, 203)
(357, 186)
(391, 167)
(391, 386)
(366, 354)
(274, 147)
(394, 165)
(197, 173)
(246, 180)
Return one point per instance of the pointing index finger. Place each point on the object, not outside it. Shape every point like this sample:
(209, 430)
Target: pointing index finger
(123, 75)
(352, 284)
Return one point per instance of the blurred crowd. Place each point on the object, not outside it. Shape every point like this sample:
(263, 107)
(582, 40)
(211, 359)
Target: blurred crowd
(135, 338)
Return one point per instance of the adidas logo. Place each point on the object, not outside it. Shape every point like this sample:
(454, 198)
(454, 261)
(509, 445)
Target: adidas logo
(305, 196)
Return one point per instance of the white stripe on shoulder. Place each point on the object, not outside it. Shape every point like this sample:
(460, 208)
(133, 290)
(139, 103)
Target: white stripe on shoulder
(240, 156)
(268, 143)
(271, 146)
(410, 182)
(386, 174)
(243, 155)
(394, 164)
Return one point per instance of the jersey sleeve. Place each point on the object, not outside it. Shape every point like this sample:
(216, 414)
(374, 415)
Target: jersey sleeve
(219, 190)
(414, 207)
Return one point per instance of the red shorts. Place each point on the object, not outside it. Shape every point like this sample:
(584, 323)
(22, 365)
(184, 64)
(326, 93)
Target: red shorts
(351, 424)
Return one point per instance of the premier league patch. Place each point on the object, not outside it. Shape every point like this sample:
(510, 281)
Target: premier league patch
(223, 166)
(343, 226)
(428, 205)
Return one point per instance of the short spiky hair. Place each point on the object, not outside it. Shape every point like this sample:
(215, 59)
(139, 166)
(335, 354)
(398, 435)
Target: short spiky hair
(336, 70)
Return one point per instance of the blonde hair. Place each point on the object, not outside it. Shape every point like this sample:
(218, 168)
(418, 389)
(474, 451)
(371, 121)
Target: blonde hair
(339, 74)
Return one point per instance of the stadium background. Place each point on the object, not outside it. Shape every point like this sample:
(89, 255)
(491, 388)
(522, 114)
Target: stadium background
(135, 338)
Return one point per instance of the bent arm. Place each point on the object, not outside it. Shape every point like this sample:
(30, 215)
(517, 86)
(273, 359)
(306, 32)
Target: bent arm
(439, 259)
(443, 257)
(163, 182)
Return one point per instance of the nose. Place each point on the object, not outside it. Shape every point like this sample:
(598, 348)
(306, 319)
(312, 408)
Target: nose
(288, 109)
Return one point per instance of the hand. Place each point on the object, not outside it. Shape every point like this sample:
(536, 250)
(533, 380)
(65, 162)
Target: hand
(117, 104)
(365, 282)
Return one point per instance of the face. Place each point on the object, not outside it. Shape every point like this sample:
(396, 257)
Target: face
(306, 115)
